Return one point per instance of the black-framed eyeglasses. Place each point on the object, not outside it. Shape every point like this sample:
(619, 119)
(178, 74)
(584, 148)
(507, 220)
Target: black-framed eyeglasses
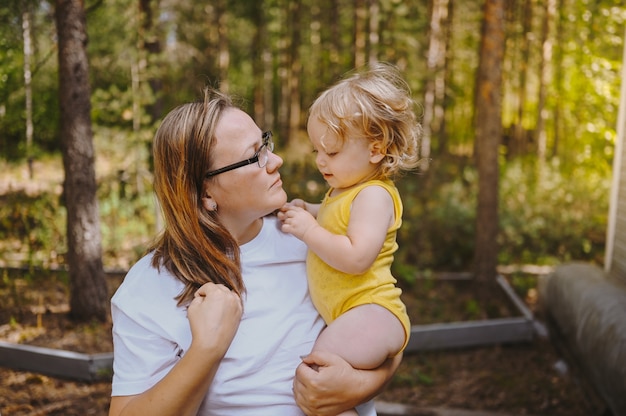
(259, 157)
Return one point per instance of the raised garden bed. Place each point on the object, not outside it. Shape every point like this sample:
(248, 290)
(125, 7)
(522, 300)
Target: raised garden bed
(521, 327)
(472, 333)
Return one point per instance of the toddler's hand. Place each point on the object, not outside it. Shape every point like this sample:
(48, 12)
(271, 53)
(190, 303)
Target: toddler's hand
(297, 203)
(296, 220)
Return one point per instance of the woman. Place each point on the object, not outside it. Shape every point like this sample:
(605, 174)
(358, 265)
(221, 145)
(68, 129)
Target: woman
(215, 318)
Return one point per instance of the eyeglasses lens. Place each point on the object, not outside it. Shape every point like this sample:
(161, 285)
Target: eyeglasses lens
(268, 146)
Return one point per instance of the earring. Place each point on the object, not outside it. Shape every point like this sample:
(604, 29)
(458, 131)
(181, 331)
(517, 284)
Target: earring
(214, 207)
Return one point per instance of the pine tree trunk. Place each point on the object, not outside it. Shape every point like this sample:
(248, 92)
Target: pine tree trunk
(374, 31)
(150, 45)
(544, 78)
(519, 141)
(435, 63)
(88, 290)
(360, 39)
(488, 134)
(295, 73)
(28, 88)
(223, 57)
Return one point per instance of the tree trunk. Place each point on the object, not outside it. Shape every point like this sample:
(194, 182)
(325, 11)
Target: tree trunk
(28, 88)
(374, 31)
(88, 290)
(150, 48)
(435, 63)
(335, 44)
(223, 61)
(284, 67)
(519, 139)
(488, 133)
(558, 77)
(544, 78)
(360, 39)
(262, 67)
(440, 127)
(295, 72)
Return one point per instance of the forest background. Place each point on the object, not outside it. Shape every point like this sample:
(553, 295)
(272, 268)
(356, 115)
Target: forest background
(560, 93)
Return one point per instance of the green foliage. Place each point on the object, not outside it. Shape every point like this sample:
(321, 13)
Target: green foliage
(112, 49)
(546, 216)
(32, 228)
(550, 216)
(302, 180)
(524, 284)
(126, 202)
(127, 219)
(112, 107)
(438, 221)
(552, 213)
(44, 80)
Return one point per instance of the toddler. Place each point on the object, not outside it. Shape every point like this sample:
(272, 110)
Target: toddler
(364, 131)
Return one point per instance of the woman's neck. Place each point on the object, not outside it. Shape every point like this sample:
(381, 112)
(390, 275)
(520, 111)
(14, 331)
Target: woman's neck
(245, 234)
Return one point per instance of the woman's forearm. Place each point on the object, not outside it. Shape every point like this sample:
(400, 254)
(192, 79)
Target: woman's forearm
(179, 393)
(214, 315)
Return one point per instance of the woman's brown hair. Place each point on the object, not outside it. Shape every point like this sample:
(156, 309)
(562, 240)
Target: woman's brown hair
(194, 246)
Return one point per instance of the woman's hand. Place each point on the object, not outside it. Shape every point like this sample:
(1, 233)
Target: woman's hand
(214, 315)
(326, 385)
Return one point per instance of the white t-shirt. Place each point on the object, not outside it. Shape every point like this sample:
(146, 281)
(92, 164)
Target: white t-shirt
(279, 324)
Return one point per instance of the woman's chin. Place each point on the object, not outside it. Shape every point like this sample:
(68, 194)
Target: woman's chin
(281, 199)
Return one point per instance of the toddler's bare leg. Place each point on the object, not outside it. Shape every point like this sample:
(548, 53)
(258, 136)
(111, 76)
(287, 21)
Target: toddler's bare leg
(364, 336)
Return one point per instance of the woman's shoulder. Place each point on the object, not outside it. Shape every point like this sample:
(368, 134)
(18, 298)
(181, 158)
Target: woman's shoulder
(146, 283)
(145, 304)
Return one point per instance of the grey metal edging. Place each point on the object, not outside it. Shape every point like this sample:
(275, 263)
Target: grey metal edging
(469, 334)
(475, 333)
(56, 363)
(92, 367)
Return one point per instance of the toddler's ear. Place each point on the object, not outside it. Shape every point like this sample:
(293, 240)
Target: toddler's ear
(376, 153)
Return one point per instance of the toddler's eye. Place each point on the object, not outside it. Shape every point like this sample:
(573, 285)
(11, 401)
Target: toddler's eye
(332, 153)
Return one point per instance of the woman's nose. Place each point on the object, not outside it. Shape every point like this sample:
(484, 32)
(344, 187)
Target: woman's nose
(273, 162)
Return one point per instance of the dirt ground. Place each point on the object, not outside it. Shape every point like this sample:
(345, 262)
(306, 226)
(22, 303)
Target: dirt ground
(535, 378)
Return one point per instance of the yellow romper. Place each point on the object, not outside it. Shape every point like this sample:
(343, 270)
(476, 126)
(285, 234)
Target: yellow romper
(334, 292)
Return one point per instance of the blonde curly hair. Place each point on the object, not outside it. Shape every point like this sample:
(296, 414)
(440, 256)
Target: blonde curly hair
(374, 104)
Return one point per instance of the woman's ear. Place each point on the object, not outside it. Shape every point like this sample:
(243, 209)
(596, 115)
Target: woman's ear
(376, 153)
(209, 204)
